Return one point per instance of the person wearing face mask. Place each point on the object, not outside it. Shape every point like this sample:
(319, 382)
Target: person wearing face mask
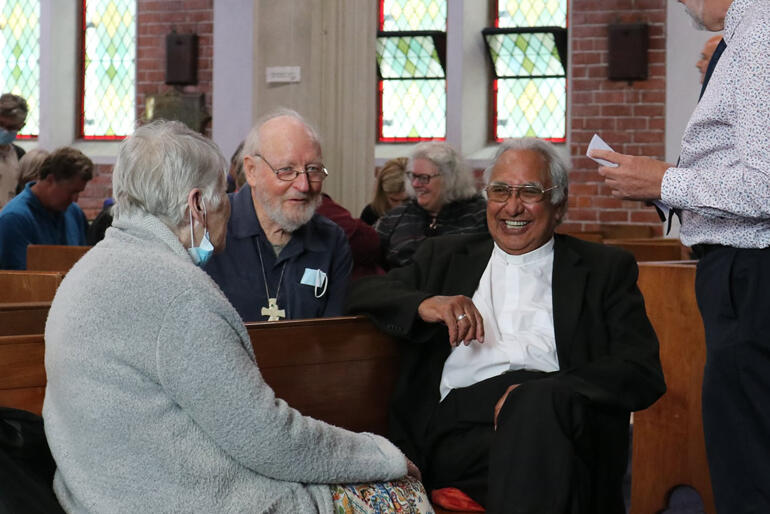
(154, 400)
(13, 114)
(443, 200)
(45, 212)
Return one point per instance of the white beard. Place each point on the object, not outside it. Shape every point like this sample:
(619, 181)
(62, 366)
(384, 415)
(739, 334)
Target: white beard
(288, 221)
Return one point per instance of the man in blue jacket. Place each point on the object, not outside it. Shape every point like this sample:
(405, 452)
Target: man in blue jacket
(45, 212)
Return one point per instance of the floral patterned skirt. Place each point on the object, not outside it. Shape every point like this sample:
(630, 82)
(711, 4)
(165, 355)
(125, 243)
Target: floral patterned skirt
(405, 495)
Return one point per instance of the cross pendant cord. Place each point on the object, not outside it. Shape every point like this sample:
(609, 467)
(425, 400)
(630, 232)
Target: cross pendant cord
(272, 309)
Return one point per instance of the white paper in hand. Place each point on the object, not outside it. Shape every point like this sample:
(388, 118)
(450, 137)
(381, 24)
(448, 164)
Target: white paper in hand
(598, 143)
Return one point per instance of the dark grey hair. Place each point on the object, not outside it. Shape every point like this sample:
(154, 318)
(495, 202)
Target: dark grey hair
(251, 146)
(13, 107)
(160, 164)
(457, 177)
(557, 168)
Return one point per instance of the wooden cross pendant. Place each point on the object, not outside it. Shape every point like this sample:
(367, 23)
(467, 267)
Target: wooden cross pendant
(272, 310)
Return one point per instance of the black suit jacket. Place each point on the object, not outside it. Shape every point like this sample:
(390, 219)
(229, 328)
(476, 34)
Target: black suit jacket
(607, 349)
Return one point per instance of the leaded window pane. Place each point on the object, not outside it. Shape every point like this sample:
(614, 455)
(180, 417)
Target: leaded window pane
(413, 15)
(20, 50)
(525, 54)
(531, 108)
(408, 56)
(110, 68)
(413, 109)
(532, 13)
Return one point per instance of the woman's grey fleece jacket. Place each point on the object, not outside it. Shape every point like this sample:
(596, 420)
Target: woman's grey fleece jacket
(155, 403)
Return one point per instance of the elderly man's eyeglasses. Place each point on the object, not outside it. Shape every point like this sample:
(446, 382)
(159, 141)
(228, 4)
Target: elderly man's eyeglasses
(421, 178)
(314, 172)
(528, 193)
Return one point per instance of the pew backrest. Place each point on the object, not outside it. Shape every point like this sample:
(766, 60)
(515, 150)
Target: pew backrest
(54, 257)
(28, 286)
(20, 318)
(341, 370)
(651, 249)
(22, 372)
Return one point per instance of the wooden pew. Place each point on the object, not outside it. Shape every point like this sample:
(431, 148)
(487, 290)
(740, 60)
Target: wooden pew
(668, 441)
(651, 249)
(20, 318)
(54, 257)
(341, 370)
(28, 286)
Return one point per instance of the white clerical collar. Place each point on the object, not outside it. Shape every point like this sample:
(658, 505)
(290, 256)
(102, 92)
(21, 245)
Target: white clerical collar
(520, 260)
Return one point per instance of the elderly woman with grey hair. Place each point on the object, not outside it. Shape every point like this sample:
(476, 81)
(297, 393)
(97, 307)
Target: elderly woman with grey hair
(443, 200)
(154, 401)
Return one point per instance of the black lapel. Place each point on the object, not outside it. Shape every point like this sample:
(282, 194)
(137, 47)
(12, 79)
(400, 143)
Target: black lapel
(569, 281)
(465, 268)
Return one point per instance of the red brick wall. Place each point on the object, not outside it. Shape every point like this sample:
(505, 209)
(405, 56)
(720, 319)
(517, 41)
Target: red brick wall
(155, 19)
(630, 117)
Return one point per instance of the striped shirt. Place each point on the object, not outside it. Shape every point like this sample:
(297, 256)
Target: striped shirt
(402, 229)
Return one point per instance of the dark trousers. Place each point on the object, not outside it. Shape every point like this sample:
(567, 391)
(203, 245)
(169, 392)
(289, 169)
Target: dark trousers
(733, 291)
(551, 453)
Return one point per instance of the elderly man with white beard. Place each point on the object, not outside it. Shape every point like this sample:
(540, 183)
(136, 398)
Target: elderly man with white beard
(282, 261)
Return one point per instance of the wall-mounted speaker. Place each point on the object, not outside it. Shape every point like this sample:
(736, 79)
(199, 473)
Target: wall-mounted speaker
(181, 59)
(627, 51)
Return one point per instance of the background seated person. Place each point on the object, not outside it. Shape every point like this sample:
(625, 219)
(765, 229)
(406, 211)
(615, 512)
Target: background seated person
(531, 411)
(362, 238)
(389, 190)
(282, 260)
(29, 167)
(13, 115)
(45, 212)
(443, 200)
(154, 400)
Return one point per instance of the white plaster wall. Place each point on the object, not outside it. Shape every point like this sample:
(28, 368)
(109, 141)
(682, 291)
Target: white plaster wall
(683, 46)
(233, 73)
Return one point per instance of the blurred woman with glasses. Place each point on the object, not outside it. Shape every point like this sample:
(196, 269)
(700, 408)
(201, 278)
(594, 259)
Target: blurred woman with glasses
(442, 200)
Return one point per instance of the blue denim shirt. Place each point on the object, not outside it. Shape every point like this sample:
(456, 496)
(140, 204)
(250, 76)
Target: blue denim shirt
(24, 221)
(318, 245)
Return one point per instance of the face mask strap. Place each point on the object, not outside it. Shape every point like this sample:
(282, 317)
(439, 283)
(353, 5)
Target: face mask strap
(325, 280)
(205, 222)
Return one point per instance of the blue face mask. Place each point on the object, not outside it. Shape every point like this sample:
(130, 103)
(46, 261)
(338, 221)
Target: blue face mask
(200, 254)
(7, 136)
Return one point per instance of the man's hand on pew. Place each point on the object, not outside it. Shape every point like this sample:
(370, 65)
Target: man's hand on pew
(501, 401)
(458, 313)
(412, 470)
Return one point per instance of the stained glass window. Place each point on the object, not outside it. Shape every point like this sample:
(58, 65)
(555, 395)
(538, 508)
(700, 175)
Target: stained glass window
(20, 50)
(528, 51)
(410, 54)
(109, 68)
